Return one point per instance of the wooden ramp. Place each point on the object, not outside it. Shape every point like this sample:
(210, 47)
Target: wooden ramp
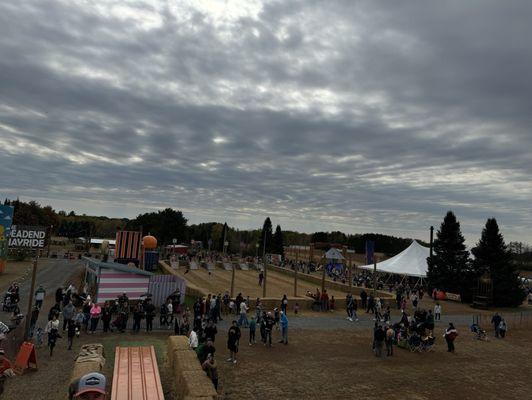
(136, 375)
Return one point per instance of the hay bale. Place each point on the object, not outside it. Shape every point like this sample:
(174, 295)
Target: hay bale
(84, 368)
(175, 343)
(186, 360)
(196, 383)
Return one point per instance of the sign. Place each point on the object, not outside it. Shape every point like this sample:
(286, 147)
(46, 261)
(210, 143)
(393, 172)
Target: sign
(453, 296)
(6, 218)
(30, 237)
(26, 358)
(174, 241)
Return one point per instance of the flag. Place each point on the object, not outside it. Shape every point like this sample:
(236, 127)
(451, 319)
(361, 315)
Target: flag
(370, 250)
(127, 246)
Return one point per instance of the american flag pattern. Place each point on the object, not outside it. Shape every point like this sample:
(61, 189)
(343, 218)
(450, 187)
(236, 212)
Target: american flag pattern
(127, 245)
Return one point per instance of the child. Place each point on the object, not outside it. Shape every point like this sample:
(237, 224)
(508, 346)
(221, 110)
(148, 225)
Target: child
(437, 312)
(252, 328)
(40, 337)
(296, 308)
(332, 303)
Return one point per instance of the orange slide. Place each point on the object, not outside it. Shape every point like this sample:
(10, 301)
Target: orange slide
(136, 375)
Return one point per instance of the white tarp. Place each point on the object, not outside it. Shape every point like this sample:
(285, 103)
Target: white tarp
(412, 261)
(334, 254)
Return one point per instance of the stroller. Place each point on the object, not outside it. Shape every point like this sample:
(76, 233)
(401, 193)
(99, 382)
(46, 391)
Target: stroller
(479, 333)
(8, 305)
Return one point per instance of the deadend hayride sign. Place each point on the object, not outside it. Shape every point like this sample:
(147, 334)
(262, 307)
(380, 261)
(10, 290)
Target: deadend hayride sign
(28, 237)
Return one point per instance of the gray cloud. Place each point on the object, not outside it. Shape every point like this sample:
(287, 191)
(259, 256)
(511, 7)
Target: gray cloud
(324, 115)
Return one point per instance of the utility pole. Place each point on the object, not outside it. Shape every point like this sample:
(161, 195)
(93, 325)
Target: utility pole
(323, 275)
(30, 298)
(374, 275)
(49, 240)
(225, 233)
(233, 280)
(431, 239)
(295, 273)
(350, 275)
(264, 263)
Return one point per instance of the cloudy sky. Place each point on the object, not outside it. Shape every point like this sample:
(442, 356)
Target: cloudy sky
(360, 116)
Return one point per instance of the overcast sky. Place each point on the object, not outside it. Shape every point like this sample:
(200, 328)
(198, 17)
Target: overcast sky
(360, 116)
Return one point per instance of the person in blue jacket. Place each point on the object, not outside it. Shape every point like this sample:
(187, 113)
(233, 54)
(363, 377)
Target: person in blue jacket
(284, 328)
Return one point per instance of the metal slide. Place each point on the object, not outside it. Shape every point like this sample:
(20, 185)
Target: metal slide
(136, 375)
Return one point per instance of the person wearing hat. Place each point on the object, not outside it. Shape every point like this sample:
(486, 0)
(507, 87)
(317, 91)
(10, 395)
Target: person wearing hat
(5, 370)
(89, 387)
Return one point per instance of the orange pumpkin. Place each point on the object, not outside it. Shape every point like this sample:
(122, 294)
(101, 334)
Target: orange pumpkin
(149, 242)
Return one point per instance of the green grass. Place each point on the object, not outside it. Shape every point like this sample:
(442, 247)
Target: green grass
(111, 342)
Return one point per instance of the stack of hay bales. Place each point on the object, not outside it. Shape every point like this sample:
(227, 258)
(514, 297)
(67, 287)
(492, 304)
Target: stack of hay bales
(191, 381)
(90, 359)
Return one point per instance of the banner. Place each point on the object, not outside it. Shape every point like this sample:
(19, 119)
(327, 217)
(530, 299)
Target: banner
(370, 250)
(6, 218)
(28, 237)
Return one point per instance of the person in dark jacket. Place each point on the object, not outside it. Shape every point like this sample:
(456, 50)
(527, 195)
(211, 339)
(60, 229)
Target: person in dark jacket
(495, 321)
(450, 335)
(233, 338)
(107, 315)
(378, 337)
(149, 310)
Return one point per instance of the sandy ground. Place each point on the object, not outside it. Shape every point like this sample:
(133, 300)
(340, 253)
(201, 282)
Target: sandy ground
(246, 282)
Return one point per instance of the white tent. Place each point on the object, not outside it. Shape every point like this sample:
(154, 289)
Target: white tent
(411, 261)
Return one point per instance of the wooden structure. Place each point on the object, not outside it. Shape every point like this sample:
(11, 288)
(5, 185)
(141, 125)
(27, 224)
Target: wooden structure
(136, 375)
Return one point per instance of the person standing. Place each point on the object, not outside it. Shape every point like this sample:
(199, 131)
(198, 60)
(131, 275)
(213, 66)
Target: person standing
(5, 370)
(71, 332)
(378, 337)
(261, 278)
(252, 329)
(496, 321)
(40, 294)
(211, 331)
(284, 328)
(450, 335)
(137, 318)
(107, 315)
(211, 368)
(243, 321)
(193, 339)
(389, 341)
(502, 328)
(233, 338)
(364, 299)
(96, 312)
(69, 311)
(437, 312)
(52, 329)
(149, 310)
(284, 304)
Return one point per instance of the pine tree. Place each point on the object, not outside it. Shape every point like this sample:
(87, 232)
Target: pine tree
(268, 234)
(278, 243)
(493, 257)
(449, 266)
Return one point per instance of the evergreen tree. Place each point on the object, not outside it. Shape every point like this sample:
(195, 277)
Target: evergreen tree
(278, 243)
(448, 269)
(268, 234)
(493, 257)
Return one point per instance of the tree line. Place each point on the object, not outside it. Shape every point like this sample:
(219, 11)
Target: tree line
(452, 269)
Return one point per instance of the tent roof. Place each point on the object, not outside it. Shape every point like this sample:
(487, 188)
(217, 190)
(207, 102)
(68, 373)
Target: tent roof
(334, 254)
(412, 261)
